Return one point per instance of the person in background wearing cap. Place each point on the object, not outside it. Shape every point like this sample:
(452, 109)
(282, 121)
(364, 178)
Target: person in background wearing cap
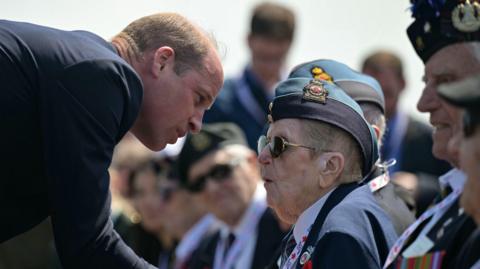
(218, 165)
(187, 220)
(244, 99)
(366, 91)
(406, 140)
(446, 39)
(317, 150)
(466, 95)
(68, 97)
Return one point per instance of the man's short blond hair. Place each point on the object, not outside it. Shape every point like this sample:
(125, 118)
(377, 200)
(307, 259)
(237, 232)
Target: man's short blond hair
(189, 42)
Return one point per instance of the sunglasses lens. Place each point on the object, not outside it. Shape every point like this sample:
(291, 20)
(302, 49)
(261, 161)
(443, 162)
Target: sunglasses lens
(468, 126)
(221, 172)
(262, 142)
(277, 146)
(198, 185)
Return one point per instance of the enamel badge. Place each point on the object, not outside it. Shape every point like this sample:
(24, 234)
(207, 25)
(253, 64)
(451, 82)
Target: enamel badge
(315, 91)
(466, 17)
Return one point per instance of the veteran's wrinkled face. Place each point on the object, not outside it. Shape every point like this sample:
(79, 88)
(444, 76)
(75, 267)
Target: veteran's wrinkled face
(452, 63)
(226, 194)
(470, 164)
(290, 179)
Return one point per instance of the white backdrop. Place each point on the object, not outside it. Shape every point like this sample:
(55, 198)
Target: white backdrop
(344, 30)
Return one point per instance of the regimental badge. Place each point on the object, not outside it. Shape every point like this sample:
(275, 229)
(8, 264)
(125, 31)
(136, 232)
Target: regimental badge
(466, 16)
(200, 141)
(319, 73)
(269, 116)
(315, 91)
(306, 255)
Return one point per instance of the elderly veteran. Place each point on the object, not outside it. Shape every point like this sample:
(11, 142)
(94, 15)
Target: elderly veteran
(317, 150)
(366, 91)
(445, 35)
(218, 166)
(466, 94)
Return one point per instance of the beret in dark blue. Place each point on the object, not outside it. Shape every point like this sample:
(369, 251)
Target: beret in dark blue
(440, 23)
(306, 98)
(360, 87)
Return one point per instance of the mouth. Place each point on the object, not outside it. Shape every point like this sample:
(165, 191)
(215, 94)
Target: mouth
(267, 180)
(440, 126)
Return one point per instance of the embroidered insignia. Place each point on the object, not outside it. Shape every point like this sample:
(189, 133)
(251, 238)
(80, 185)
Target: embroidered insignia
(200, 141)
(466, 16)
(319, 73)
(304, 258)
(315, 91)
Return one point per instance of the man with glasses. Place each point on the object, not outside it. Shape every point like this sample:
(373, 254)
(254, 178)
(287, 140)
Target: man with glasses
(218, 166)
(317, 149)
(466, 95)
(366, 91)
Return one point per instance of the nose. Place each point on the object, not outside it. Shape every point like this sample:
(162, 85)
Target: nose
(195, 122)
(429, 100)
(264, 156)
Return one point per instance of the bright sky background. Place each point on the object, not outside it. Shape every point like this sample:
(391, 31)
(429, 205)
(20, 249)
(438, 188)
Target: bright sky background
(344, 30)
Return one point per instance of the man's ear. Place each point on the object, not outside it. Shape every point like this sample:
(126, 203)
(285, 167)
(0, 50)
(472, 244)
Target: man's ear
(331, 165)
(162, 57)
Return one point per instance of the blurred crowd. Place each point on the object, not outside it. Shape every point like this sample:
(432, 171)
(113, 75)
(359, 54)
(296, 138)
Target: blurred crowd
(312, 166)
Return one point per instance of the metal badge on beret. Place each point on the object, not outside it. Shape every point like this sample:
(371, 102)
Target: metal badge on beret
(319, 73)
(315, 91)
(269, 116)
(466, 16)
(200, 141)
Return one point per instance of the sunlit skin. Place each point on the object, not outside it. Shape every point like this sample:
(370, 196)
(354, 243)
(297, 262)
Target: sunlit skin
(291, 180)
(147, 202)
(174, 104)
(451, 63)
(229, 199)
(469, 162)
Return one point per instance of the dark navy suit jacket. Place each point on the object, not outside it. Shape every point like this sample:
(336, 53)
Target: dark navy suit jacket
(66, 99)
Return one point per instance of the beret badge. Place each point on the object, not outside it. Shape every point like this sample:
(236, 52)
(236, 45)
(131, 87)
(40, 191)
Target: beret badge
(315, 91)
(319, 73)
(466, 16)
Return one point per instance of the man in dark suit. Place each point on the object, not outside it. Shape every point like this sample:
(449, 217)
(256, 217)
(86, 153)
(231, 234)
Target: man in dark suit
(406, 139)
(244, 99)
(449, 49)
(67, 98)
(317, 150)
(217, 165)
(466, 95)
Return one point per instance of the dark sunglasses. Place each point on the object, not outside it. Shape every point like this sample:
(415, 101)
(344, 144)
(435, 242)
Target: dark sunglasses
(277, 145)
(218, 173)
(470, 123)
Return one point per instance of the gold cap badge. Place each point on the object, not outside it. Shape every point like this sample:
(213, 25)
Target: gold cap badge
(315, 91)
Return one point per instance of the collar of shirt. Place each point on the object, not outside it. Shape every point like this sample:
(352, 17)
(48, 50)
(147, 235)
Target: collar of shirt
(259, 202)
(454, 178)
(192, 238)
(308, 216)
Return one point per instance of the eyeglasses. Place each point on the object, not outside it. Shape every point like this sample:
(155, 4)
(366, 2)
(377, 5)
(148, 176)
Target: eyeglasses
(218, 173)
(470, 123)
(277, 145)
